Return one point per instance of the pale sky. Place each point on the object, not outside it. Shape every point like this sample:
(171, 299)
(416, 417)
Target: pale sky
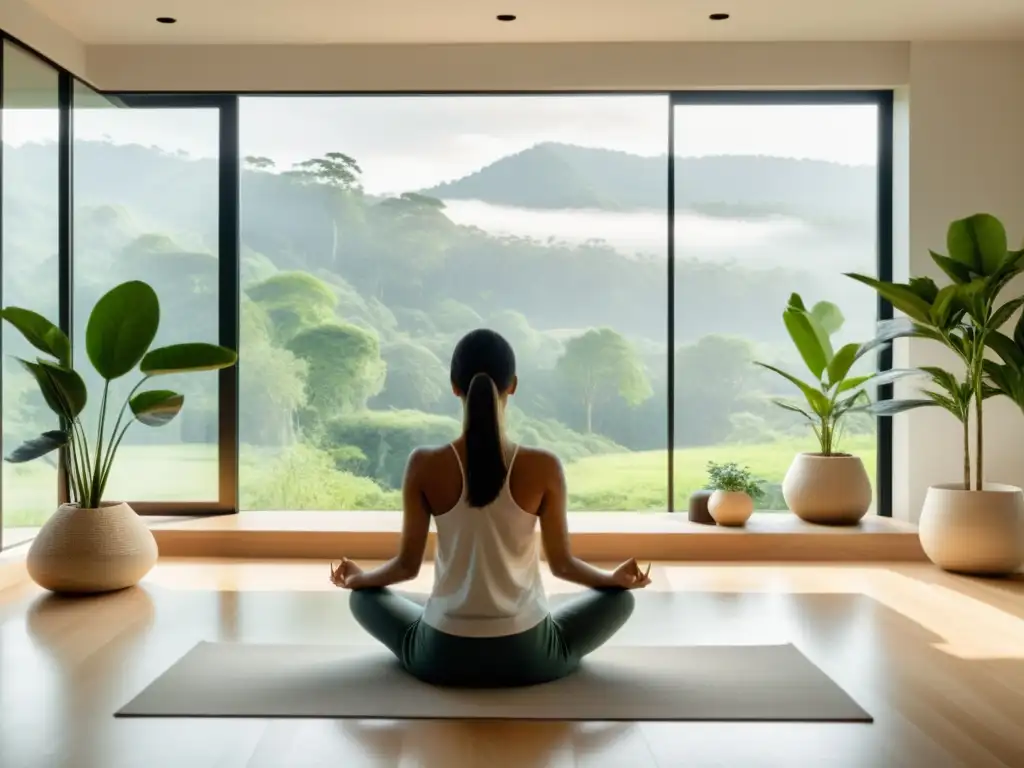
(412, 142)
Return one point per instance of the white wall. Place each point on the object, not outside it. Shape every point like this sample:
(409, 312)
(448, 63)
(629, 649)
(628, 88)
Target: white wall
(541, 67)
(34, 29)
(962, 124)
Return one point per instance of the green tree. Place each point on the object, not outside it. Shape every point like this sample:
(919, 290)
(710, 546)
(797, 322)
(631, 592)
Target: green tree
(345, 367)
(258, 163)
(342, 176)
(272, 382)
(416, 378)
(715, 377)
(601, 364)
(294, 301)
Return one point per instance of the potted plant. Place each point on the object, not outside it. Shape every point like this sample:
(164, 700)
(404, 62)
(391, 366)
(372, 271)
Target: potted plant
(827, 487)
(91, 544)
(734, 490)
(969, 526)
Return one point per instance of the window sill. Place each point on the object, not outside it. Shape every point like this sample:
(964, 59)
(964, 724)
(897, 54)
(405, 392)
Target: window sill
(767, 537)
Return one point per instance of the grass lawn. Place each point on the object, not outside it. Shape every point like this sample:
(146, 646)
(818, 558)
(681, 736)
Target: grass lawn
(622, 481)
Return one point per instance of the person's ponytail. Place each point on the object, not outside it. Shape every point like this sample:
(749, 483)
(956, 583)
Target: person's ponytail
(485, 459)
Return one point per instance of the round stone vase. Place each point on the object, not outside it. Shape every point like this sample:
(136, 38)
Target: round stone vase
(731, 508)
(827, 490)
(974, 532)
(91, 550)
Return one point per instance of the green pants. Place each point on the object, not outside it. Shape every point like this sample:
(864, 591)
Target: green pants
(548, 651)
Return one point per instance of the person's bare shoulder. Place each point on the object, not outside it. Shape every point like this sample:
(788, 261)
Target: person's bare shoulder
(425, 459)
(540, 463)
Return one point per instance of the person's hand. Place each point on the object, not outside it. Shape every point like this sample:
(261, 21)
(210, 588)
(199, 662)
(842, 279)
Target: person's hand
(343, 574)
(629, 576)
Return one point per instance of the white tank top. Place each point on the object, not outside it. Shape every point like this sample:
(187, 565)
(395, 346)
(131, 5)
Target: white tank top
(487, 568)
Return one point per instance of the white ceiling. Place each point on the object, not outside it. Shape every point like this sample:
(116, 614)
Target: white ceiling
(469, 21)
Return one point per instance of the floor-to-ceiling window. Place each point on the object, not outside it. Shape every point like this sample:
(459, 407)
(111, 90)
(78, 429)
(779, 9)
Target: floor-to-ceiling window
(29, 226)
(774, 194)
(146, 207)
(377, 230)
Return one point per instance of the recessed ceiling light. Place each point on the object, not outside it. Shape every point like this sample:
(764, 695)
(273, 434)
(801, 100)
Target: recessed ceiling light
(166, 20)
(718, 16)
(506, 17)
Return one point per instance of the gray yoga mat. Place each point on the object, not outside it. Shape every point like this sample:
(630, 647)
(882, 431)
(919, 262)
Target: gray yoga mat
(732, 682)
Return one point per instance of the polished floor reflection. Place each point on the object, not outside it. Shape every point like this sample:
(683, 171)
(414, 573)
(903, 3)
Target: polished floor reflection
(938, 660)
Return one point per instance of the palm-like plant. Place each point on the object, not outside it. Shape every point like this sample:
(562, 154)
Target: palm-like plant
(965, 317)
(833, 393)
(118, 336)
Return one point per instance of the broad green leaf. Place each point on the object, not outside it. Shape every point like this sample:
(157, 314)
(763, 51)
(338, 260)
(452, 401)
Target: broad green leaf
(40, 333)
(187, 358)
(1018, 333)
(943, 315)
(69, 384)
(888, 377)
(841, 363)
(1012, 266)
(900, 296)
(1005, 347)
(810, 339)
(156, 407)
(796, 302)
(1005, 312)
(817, 400)
(63, 390)
(38, 446)
(856, 381)
(829, 316)
(972, 299)
(121, 327)
(893, 407)
(979, 241)
(955, 271)
(924, 287)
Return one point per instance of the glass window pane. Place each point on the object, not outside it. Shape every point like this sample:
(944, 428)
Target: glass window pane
(146, 208)
(770, 200)
(378, 230)
(30, 242)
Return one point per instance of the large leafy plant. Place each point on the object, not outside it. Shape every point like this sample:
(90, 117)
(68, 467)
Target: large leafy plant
(965, 316)
(833, 392)
(118, 337)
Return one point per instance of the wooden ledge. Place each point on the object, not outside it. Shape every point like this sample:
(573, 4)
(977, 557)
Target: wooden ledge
(767, 537)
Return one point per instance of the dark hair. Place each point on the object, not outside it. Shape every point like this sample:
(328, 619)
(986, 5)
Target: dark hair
(483, 367)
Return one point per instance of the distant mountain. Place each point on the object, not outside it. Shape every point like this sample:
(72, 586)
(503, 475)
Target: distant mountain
(564, 176)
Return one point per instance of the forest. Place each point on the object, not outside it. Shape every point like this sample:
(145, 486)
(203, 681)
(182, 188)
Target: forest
(351, 304)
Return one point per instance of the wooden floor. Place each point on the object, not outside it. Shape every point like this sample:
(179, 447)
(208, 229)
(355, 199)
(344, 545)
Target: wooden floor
(938, 660)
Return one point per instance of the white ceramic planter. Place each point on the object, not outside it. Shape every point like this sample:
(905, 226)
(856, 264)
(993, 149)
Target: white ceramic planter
(730, 508)
(91, 550)
(827, 490)
(974, 532)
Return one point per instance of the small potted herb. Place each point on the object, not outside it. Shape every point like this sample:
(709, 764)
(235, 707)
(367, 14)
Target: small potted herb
(734, 490)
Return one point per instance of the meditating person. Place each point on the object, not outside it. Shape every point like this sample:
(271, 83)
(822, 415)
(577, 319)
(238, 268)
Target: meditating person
(486, 622)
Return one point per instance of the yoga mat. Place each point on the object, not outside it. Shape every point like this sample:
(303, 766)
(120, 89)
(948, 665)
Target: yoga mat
(734, 682)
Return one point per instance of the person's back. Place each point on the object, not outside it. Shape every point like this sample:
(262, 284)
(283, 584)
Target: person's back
(486, 622)
(487, 580)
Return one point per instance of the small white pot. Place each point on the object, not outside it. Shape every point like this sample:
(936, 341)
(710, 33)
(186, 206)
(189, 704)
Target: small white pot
(730, 508)
(974, 532)
(91, 550)
(827, 490)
